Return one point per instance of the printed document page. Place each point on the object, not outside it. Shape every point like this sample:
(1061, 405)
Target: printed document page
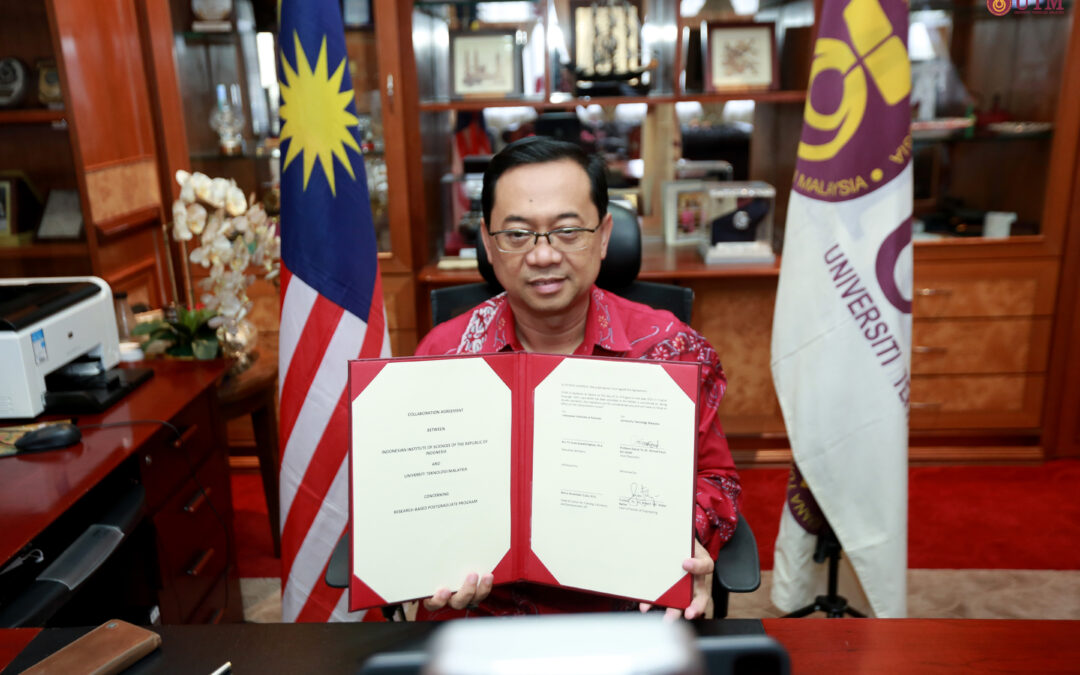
(613, 476)
(430, 476)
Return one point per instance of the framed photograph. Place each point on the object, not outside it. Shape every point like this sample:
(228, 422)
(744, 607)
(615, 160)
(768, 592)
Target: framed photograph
(63, 216)
(606, 38)
(485, 64)
(740, 56)
(684, 203)
(356, 13)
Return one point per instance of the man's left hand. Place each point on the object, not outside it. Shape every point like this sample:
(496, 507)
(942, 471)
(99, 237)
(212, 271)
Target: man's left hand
(701, 567)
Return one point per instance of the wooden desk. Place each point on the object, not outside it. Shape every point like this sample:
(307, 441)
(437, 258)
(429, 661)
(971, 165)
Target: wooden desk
(832, 646)
(192, 547)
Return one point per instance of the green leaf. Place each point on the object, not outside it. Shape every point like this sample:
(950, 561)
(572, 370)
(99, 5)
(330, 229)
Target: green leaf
(148, 327)
(165, 333)
(205, 349)
(188, 321)
(179, 350)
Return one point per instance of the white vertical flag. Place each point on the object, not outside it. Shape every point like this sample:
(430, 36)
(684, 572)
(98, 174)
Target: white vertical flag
(842, 327)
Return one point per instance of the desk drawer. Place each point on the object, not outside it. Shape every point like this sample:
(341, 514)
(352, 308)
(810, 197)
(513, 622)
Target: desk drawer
(1000, 288)
(976, 401)
(166, 461)
(193, 540)
(968, 346)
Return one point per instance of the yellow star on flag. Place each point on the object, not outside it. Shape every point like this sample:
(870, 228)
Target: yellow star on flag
(317, 122)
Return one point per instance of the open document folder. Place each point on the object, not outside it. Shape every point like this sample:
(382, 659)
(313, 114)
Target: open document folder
(568, 471)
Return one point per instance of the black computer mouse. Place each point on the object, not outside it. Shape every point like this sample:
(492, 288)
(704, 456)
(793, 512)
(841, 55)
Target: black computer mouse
(50, 437)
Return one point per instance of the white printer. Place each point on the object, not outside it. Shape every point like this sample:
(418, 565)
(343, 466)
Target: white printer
(61, 328)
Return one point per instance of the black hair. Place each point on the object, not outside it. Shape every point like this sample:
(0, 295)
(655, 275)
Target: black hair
(540, 150)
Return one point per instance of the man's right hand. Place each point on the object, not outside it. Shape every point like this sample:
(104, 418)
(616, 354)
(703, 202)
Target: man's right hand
(471, 593)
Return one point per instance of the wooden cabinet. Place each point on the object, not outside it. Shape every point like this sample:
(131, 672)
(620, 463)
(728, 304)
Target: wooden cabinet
(167, 436)
(189, 502)
(980, 339)
(101, 143)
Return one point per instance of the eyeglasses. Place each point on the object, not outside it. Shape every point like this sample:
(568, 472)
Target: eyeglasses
(564, 239)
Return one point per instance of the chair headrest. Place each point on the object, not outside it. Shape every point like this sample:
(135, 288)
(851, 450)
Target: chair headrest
(619, 268)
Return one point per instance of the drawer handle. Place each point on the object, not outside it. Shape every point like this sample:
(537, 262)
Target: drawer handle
(197, 500)
(200, 564)
(185, 436)
(934, 291)
(933, 405)
(920, 349)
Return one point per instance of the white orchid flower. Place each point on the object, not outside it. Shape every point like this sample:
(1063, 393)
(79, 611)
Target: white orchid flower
(235, 203)
(256, 215)
(180, 228)
(200, 256)
(187, 189)
(219, 189)
(200, 185)
(196, 218)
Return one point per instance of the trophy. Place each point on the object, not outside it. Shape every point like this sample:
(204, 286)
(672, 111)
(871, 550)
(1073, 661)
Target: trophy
(49, 93)
(228, 120)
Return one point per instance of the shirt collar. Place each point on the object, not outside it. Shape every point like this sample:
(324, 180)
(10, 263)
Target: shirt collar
(604, 327)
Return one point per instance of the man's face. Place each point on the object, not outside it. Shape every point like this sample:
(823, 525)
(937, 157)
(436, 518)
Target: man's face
(542, 280)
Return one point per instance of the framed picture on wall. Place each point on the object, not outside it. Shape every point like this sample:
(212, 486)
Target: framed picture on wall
(740, 56)
(683, 203)
(356, 13)
(485, 64)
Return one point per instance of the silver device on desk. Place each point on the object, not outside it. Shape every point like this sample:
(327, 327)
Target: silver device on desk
(625, 643)
(58, 342)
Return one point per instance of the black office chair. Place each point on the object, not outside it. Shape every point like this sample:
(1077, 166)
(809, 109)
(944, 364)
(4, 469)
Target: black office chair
(738, 570)
(618, 274)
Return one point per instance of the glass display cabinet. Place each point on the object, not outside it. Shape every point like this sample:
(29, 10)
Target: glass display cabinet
(627, 78)
(985, 96)
(650, 82)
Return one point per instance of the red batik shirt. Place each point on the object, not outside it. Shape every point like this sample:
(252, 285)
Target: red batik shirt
(620, 328)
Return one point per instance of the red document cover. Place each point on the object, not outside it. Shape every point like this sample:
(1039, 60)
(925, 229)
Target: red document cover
(567, 471)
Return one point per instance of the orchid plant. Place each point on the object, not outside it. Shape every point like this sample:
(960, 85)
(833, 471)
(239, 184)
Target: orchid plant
(235, 240)
(234, 233)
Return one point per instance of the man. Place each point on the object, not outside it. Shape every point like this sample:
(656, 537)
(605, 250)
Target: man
(546, 229)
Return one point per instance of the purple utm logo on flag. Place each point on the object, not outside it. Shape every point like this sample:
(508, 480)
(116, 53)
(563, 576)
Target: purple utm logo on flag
(842, 323)
(332, 307)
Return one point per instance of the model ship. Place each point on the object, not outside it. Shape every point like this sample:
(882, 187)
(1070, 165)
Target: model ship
(607, 54)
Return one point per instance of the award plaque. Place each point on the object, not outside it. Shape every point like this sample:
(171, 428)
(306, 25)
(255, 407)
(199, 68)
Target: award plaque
(738, 219)
(13, 82)
(49, 93)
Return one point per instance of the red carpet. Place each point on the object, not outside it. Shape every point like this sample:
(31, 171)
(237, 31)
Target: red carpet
(959, 517)
(254, 547)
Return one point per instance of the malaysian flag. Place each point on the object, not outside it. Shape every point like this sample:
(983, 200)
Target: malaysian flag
(842, 325)
(331, 307)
